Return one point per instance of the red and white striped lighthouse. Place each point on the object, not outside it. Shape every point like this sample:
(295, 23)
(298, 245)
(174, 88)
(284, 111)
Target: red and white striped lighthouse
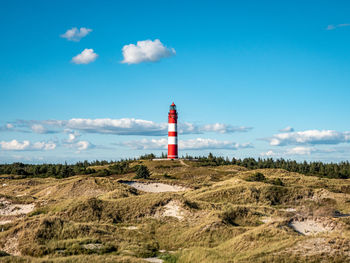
(172, 132)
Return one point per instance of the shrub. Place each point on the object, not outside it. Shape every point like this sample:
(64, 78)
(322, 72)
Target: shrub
(103, 172)
(142, 172)
(3, 254)
(257, 177)
(277, 181)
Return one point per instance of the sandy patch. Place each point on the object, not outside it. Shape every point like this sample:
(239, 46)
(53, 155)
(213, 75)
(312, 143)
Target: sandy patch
(131, 227)
(92, 246)
(155, 187)
(317, 246)
(11, 246)
(153, 260)
(183, 163)
(289, 210)
(9, 209)
(269, 219)
(312, 226)
(172, 209)
(4, 222)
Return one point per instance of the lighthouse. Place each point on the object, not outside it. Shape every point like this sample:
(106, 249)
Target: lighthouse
(172, 132)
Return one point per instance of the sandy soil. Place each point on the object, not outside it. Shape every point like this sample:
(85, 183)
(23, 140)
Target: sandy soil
(173, 209)
(4, 222)
(131, 227)
(183, 163)
(316, 246)
(155, 187)
(153, 260)
(11, 246)
(312, 226)
(9, 209)
(92, 246)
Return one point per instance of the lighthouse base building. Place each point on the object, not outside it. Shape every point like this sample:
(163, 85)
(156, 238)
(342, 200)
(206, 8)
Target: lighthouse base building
(172, 132)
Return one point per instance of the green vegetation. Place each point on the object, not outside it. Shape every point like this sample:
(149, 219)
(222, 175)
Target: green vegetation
(330, 170)
(142, 172)
(256, 177)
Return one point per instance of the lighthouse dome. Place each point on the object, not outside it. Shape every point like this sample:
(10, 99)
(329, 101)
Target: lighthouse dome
(173, 106)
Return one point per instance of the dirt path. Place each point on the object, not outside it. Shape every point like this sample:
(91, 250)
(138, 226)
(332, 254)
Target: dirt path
(155, 187)
(183, 163)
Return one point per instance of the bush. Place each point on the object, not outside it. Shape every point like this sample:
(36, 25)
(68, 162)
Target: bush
(169, 258)
(142, 172)
(277, 181)
(103, 172)
(3, 254)
(257, 177)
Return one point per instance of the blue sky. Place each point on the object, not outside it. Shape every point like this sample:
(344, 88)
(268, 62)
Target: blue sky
(240, 72)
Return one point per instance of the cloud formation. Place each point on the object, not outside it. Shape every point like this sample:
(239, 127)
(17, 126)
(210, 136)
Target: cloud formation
(75, 34)
(269, 153)
(190, 128)
(15, 145)
(72, 141)
(332, 27)
(124, 126)
(85, 57)
(192, 144)
(146, 51)
(300, 150)
(309, 137)
(83, 145)
(287, 129)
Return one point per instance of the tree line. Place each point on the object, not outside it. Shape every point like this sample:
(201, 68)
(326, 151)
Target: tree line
(339, 170)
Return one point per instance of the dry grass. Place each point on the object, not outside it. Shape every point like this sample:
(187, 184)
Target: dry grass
(92, 219)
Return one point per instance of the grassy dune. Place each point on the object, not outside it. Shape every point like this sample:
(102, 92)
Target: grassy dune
(224, 216)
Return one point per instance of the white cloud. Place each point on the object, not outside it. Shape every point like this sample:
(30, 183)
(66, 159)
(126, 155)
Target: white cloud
(146, 51)
(287, 129)
(72, 136)
(190, 128)
(268, 153)
(200, 143)
(85, 57)
(222, 128)
(124, 126)
(83, 145)
(38, 128)
(72, 141)
(43, 146)
(15, 145)
(310, 137)
(300, 150)
(74, 34)
(146, 144)
(332, 27)
(192, 144)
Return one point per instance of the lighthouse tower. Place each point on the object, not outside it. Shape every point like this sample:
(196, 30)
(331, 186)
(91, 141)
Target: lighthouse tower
(172, 132)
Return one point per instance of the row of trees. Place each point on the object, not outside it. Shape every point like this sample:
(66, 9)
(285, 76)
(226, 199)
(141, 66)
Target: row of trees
(330, 170)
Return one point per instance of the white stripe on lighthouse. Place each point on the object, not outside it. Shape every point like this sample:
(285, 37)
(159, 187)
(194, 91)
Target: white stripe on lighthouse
(172, 140)
(172, 127)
